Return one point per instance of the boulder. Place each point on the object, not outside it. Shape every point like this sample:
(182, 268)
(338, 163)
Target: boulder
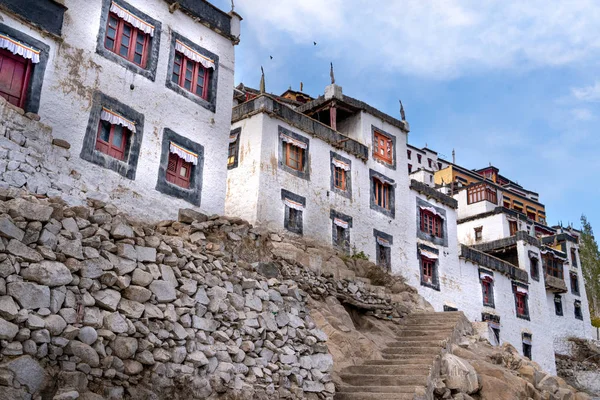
(8, 330)
(49, 273)
(458, 374)
(124, 347)
(87, 335)
(27, 372)
(85, 352)
(30, 295)
(29, 210)
(187, 215)
(8, 308)
(107, 299)
(163, 290)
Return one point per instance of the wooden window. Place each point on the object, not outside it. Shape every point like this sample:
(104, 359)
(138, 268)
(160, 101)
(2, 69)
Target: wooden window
(431, 224)
(521, 301)
(409, 153)
(294, 217)
(383, 147)
(512, 226)
(232, 153)
(419, 158)
(382, 193)
(409, 169)
(553, 267)
(112, 139)
(488, 292)
(129, 42)
(531, 215)
(534, 268)
(427, 266)
(340, 237)
(430, 162)
(179, 171)
(558, 308)
(542, 220)
(506, 204)
(527, 350)
(574, 283)
(518, 208)
(573, 257)
(191, 75)
(481, 192)
(339, 178)
(578, 312)
(478, 233)
(15, 73)
(294, 156)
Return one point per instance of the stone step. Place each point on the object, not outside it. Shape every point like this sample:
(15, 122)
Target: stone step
(399, 370)
(408, 389)
(411, 336)
(417, 343)
(425, 360)
(432, 323)
(412, 350)
(412, 332)
(384, 380)
(397, 356)
(374, 396)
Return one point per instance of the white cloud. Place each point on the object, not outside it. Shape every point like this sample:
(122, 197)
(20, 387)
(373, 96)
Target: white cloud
(587, 93)
(431, 38)
(582, 114)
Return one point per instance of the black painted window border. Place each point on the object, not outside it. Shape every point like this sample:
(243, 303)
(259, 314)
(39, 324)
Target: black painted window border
(334, 230)
(536, 260)
(304, 174)
(152, 61)
(238, 133)
(577, 306)
(299, 224)
(374, 206)
(348, 192)
(379, 249)
(526, 298)
(89, 153)
(435, 280)
(574, 281)
(210, 103)
(558, 305)
(390, 136)
(34, 90)
(193, 194)
(491, 304)
(440, 241)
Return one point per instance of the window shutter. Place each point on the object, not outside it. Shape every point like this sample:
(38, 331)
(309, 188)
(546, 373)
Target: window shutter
(172, 163)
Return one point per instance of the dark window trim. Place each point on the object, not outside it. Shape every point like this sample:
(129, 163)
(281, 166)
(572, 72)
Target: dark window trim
(390, 240)
(210, 103)
(536, 276)
(440, 241)
(334, 239)
(299, 228)
(558, 305)
(238, 133)
(390, 136)
(435, 281)
(526, 297)
(126, 168)
(149, 71)
(374, 206)
(304, 174)
(45, 15)
(34, 89)
(574, 290)
(193, 194)
(348, 192)
(577, 306)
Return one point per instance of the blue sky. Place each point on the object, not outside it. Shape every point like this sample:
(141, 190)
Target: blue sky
(515, 84)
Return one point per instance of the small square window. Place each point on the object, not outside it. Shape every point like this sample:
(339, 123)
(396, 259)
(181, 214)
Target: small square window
(383, 147)
(125, 40)
(574, 283)
(487, 287)
(409, 153)
(234, 148)
(578, 312)
(478, 233)
(534, 268)
(521, 303)
(431, 224)
(191, 75)
(419, 158)
(409, 169)
(558, 307)
(112, 140)
(429, 273)
(382, 193)
(339, 178)
(293, 213)
(179, 171)
(293, 153)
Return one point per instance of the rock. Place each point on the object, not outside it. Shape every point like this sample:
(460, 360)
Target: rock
(9, 230)
(67, 395)
(94, 268)
(322, 362)
(85, 352)
(459, 374)
(116, 323)
(29, 210)
(141, 278)
(132, 367)
(20, 250)
(131, 309)
(8, 308)
(548, 383)
(49, 273)
(122, 231)
(107, 299)
(137, 293)
(55, 324)
(268, 269)
(87, 335)
(124, 347)
(29, 295)
(187, 215)
(8, 330)
(197, 358)
(27, 372)
(208, 325)
(253, 302)
(163, 290)
(127, 251)
(145, 254)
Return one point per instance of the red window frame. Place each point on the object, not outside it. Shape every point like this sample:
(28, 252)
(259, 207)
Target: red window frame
(427, 267)
(383, 147)
(431, 224)
(480, 192)
(191, 75)
(513, 227)
(15, 82)
(521, 300)
(409, 169)
(382, 193)
(175, 167)
(138, 42)
(115, 150)
(408, 152)
(339, 178)
(294, 157)
(419, 158)
(487, 291)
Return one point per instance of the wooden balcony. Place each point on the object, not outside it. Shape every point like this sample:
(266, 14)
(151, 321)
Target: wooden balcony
(554, 284)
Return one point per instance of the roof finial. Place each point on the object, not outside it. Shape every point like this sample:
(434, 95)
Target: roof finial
(301, 86)
(232, 6)
(453, 157)
(331, 74)
(262, 80)
(402, 115)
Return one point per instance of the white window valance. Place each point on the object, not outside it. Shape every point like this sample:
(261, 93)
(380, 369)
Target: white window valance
(194, 55)
(493, 325)
(527, 340)
(187, 155)
(520, 289)
(383, 242)
(293, 204)
(233, 137)
(432, 210)
(340, 164)
(341, 223)
(428, 254)
(132, 19)
(292, 141)
(383, 180)
(486, 276)
(19, 48)
(116, 119)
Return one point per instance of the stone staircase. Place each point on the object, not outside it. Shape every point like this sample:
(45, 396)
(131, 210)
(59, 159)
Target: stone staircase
(408, 361)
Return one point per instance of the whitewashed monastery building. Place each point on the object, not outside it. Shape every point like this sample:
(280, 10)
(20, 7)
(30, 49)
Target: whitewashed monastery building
(340, 171)
(140, 89)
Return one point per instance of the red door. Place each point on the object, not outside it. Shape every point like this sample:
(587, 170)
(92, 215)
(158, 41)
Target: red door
(14, 77)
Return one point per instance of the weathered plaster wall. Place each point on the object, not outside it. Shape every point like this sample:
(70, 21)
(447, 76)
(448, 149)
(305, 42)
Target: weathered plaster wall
(75, 71)
(468, 210)
(494, 227)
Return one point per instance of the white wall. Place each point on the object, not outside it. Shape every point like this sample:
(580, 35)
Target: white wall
(75, 71)
(468, 210)
(494, 227)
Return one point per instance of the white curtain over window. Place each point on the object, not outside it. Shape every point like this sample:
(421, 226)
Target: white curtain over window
(433, 211)
(428, 254)
(187, 155)
(132, 19)
(340, 164)
(485, 276)
(293, 204)
(19, 48)
(527, 340)
(520, 289)
(194, 55)
(341, 223)
(293, 141)
(383, 242)
(116, 119)
(233, 137)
